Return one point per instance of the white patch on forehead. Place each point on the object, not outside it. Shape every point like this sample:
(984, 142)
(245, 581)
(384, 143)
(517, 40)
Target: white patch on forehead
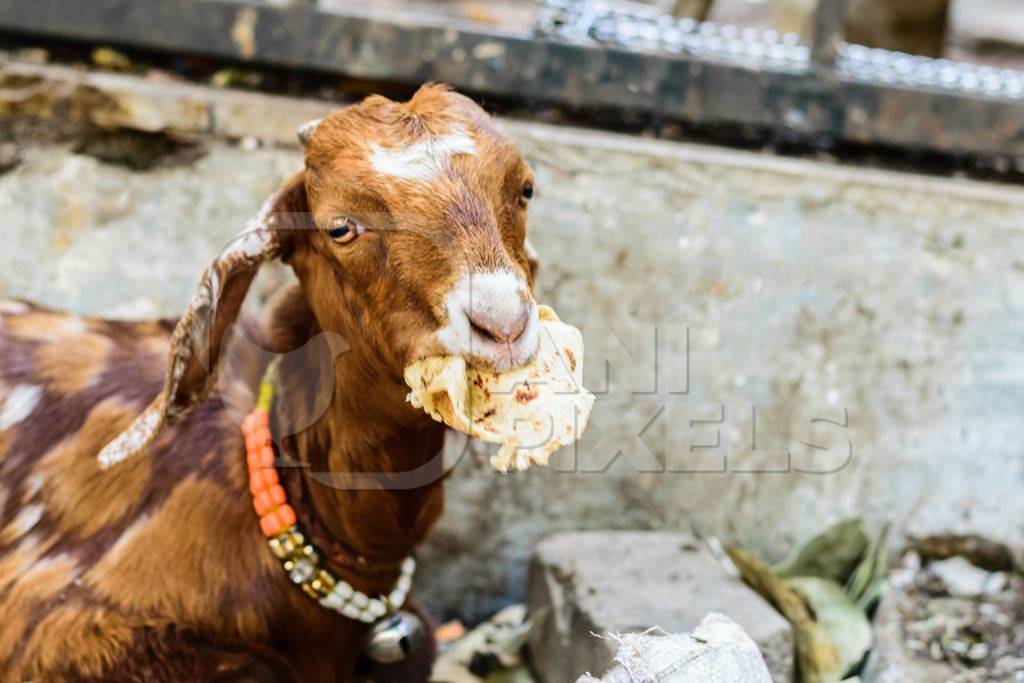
(19, 404)
(421, 160)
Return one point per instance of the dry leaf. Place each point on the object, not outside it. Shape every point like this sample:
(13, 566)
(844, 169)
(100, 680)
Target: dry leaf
(817, 657)
(844, 622)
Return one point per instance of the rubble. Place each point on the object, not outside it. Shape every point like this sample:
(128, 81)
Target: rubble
(982, 552)
(949, 621)
(963, 580)
(494, 648)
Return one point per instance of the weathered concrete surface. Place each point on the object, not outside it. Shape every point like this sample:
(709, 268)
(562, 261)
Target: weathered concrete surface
(103, 240)
(887, 302)
(585, 586)
(152, 105)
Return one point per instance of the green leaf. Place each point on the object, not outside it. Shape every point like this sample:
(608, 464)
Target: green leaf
(874, 593)
(832, 554)
(868, 580)
(842, 620)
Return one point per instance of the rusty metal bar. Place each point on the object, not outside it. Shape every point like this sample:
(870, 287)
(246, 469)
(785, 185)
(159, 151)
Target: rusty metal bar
(809, 101)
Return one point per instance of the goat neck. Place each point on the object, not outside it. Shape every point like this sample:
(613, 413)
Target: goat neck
(369, 465)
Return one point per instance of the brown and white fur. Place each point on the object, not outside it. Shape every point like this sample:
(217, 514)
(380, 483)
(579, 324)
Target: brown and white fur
(154, 568)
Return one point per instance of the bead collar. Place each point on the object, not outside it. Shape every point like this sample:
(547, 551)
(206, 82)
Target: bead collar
(287, 541)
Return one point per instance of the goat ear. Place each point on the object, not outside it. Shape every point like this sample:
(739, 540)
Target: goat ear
(200, 334)
(532, 258)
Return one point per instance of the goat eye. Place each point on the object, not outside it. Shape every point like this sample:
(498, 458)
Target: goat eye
(344, 230)
(528, 191)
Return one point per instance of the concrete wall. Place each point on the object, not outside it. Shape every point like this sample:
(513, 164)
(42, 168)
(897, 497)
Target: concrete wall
(872, 315)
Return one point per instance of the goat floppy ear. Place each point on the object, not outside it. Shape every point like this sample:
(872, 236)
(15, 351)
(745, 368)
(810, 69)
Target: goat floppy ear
(199, 336)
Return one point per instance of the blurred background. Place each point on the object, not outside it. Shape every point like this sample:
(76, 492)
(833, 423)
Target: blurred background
(790, 230)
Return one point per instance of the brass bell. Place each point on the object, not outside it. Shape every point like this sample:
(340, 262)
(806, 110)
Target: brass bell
(395, 637)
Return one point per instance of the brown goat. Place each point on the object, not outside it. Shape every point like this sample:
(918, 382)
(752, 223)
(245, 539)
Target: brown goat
(406, 232)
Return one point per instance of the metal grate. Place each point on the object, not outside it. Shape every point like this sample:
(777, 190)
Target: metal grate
(632, 26)
(637, 27)
(869, 65)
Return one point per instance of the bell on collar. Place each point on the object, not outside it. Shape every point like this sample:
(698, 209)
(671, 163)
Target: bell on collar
(394, 638)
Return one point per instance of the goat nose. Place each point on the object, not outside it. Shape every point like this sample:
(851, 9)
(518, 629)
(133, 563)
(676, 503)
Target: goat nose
(504, 329)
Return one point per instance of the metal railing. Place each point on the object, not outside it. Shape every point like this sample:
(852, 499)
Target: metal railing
(591, 54)
(631, 26)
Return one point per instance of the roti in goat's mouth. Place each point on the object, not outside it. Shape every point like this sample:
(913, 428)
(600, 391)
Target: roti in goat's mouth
(531, 411)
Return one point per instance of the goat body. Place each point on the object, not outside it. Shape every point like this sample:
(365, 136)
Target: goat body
(155, 568)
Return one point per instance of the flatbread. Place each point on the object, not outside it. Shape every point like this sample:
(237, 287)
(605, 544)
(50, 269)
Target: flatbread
(531, 411)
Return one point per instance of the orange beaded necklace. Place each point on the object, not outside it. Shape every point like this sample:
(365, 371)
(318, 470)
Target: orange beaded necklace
(268, 495)
(287, 541)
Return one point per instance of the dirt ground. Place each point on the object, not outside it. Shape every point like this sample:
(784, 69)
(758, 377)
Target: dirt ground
(981, 638)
